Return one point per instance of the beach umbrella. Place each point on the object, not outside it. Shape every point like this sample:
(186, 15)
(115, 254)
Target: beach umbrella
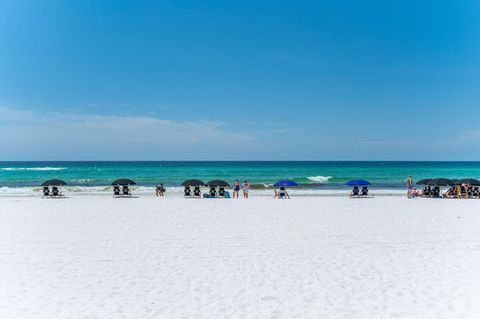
(471, 181)
(425, 181)
(193, 182)
(285, 183)
(123, 181)
(218, 182)
(54, 182)
(441, 182)
(358, 182)
(456, 181)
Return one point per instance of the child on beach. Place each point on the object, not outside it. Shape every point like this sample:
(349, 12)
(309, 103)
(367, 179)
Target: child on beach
(245, 188)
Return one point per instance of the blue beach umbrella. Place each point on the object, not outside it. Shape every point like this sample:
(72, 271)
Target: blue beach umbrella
(285, 183)
(358, 182)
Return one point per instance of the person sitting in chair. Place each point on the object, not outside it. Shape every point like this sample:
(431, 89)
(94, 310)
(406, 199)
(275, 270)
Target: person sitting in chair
(282, 193)
(355, 191)
(415, 192)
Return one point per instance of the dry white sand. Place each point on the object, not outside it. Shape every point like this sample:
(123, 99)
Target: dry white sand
(99, 257)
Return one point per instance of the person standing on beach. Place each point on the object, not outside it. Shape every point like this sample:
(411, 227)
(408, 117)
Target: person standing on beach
(236, 189)
(245, 188)
(409, 183)
(160, 190)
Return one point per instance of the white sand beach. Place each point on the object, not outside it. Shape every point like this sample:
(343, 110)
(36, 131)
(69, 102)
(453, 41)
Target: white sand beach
(309, 257)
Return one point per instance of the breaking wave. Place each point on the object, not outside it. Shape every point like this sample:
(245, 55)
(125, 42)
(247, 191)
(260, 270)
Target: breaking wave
(319, 179)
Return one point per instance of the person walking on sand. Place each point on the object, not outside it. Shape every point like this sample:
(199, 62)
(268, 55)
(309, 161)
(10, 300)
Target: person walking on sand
(236, 189)
(245, 188)
(409, 183)
(160, 190)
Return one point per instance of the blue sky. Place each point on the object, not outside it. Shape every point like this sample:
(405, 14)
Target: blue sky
(305, 80)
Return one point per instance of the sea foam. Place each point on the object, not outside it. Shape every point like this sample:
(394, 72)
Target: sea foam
(319, 179)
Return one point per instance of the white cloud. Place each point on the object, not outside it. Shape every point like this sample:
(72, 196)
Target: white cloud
(65, 135)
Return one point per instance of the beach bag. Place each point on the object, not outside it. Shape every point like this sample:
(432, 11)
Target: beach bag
(227, 195)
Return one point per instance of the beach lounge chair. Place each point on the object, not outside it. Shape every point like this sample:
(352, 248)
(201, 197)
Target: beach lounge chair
(46, 192)
(126, 191)
(221, 192)
(197, 192)
(187, 192)
(116, 191)
(475, 192)
(450, 192)
(213, 192)
(463, 192)
(282, 193)
(365, 191)
(355, 192)
(428, 191)
(470, 191)
(436, 192)
(56, 192)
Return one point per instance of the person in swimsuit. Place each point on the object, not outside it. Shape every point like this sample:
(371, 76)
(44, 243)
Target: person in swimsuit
(409, 183)
(160, 190)
(236, 189)
(245, 188)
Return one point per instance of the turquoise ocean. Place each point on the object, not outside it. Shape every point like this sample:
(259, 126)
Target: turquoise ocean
(315, 177)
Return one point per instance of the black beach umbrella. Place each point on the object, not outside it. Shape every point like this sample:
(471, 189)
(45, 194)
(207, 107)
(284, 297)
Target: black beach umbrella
(219, 183)
(456, 181)
(54, 182)
(425, 181)
(441, 182)
(471, 181)
(193, 182)
(123, 181)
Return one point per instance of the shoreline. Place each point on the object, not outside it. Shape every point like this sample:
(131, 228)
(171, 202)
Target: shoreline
(144, 191)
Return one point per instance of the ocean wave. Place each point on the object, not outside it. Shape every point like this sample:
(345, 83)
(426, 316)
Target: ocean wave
(32, 168)
(83, 180)
(319, 179)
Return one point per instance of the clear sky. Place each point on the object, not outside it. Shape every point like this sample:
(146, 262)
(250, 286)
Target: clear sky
(305, 80)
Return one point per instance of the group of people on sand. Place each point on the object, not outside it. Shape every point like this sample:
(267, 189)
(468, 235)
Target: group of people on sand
(236, 189)
(463, 190)
(160, 189)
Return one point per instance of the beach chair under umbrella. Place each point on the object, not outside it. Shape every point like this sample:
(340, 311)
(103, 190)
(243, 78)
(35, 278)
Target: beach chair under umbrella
(283, 184)
(54, 192)
(356, 183)
(213, 184)
(121, 187)
(196, 184)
